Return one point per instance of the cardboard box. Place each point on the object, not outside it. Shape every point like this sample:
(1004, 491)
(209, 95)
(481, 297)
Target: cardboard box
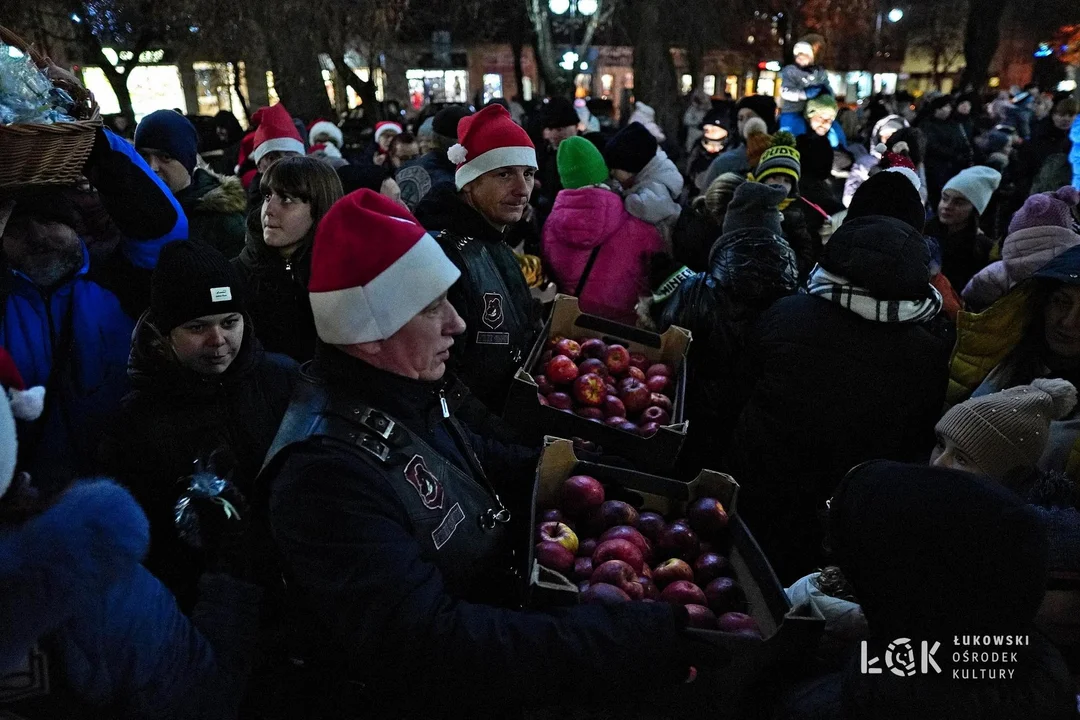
(657, 453)
(789, 634)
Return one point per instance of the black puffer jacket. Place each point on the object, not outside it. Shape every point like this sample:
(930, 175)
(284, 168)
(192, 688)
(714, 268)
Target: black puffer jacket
(828, 389)
(175, 418)
(749, 270)
(277, 296)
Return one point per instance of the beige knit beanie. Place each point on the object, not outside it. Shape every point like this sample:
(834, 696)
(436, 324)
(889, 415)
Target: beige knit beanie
(1008, 430)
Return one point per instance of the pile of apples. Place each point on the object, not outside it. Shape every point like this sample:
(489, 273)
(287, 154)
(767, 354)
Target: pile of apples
(606, 384)
(616, 554)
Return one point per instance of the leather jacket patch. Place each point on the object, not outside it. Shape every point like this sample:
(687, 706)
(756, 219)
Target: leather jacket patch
(427, 485)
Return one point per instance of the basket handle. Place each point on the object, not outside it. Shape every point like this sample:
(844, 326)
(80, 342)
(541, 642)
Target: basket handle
(10, 38)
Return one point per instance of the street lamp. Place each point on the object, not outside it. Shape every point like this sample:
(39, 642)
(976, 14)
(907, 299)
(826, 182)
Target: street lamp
(587, 7)
(559, 7)
(580, 7)
(896, 15)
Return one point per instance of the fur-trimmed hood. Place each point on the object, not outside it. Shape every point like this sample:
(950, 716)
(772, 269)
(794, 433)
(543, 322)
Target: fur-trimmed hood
(91, 536)
(211, 193)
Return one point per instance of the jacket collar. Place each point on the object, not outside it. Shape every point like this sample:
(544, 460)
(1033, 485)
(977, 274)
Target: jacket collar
(443, 209)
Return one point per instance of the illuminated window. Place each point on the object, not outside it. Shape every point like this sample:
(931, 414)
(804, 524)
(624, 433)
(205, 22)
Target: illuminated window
(606, 82)
(708, 84)
(526, 88)
(492, 87)
(731, 84)
(271, 93)
(151, 87)
(687, 84)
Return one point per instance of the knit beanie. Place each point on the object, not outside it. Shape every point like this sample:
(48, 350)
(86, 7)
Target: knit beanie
(276, 133)
(781, 158)
(754, 205)
(190, 281)
(489, 140)
(374, 268)
(977, 184)
(631, 149)
(761, 105)
(558, 112)
(891, 194)
(1047, 209)
(580, 164)
(170, 132)
(821, 104)
(1008, 430)
(718, 195)
(446, 120)
(758, 140)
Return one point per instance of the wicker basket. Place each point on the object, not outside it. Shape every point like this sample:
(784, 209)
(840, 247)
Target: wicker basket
(48, 154)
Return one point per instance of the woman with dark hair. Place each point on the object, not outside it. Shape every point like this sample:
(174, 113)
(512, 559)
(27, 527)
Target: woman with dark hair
(276, 262)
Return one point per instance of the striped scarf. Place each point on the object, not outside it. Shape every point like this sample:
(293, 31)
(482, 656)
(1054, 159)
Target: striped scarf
(861, 302)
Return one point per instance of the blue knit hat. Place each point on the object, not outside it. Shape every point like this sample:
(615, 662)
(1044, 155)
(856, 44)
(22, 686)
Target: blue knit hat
(170, 132)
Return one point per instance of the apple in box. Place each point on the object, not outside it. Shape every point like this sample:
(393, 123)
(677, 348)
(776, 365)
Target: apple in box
(590, 413)
(560, 401)
(561, 370)
(593, 365)
(635, 373)
(569, 348)
(661, 400)
(709, 566)
(613, 407)
(543, 385)
(616, 573)
(672, 570)
(617, 359)
(616, 422)
(617, 512)
(639, 361)
(678, 540)
(658, 384)
(589, 389)
(583, 568)
(653, 414)
(707, 517)
(739, 624)
(659, 369)
(650, 524)
(625, 532)
(555, 557)
(723, 595)
(579, 493)
(701, 617)
(603, 594)
(587, 547)
(634, 394)
(617, 549)
(648, 429)
(683, 592)
(594, 348)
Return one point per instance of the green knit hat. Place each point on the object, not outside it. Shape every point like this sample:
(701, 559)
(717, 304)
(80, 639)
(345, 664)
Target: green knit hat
(822, 103)
(580, 164)
(781, 158)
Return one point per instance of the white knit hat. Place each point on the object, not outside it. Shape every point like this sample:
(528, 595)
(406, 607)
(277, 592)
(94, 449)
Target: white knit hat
(373, 269)
(977, 184)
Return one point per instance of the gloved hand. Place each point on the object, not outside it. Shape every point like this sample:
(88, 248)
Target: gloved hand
(212, 515)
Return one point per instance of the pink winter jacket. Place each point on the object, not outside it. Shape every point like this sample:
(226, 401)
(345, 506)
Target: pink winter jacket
(1022, 254)
(584, 219)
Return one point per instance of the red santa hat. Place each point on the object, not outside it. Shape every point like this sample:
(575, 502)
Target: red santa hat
(386, 126)
(373, 269)
(488, 140)
(276, 133)
(23, 404)
(325, 128)
(896, 161)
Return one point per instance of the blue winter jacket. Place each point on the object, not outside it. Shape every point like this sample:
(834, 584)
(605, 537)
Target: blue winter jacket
(78, 609)
(1074, 155)
(93, 314)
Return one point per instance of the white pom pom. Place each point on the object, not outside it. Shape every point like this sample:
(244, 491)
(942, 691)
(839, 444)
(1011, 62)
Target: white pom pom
(27, 404)
(1062, 394)
(457, 154)
(901, 147)
(881, 149)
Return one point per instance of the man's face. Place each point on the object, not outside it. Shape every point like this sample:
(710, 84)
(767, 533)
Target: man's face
(403, 153)
(165, 166)
(502, 194)
(555, 136)
(420, 349)
(1061, 322)
(209, 344)
(46, 251)
(963, 108)
(821, 122)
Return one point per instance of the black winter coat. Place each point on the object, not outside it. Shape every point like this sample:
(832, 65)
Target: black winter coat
(827, 390)
(277, 297)
(501, 317)
(963, 254)
(215, 209)
(421, 616)
(175, 418)
(948, 152)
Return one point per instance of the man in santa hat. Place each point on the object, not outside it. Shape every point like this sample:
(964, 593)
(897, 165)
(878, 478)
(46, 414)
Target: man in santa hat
(393, 518)
(496, 169)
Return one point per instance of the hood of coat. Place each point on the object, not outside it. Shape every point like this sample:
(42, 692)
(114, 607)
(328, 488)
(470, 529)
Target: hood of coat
(64, 557)
(923, 570)
(213, 193)
(754, 265)
(587, 217)
(153, 368)
(881, 254)
(1036, 246)
(662, 171)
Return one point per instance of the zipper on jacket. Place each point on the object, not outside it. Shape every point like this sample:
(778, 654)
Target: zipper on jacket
(498, 515)
(443, 405)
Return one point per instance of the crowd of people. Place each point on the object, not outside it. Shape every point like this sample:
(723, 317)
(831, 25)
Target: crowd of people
(255, 464)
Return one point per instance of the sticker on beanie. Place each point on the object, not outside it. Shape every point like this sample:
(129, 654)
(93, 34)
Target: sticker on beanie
(221, 294)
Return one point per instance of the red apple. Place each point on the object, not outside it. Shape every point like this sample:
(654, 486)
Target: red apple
(586, 547)
(555, 557)
(603, 594)
(635, 373)
(558, 532)
(682, 592)
(579, 493)
(639, 361)
(583, 568)
(656, 415)
(625, 532)
(661, 400)
(678, 540)
(724, 595)
(617, 512)
(701, 617)
(650, 524)
(629, 427)
(553, 341)
(560, 400)
(658, 369)
(561, 370)
(648, 429)
(646, 572)
(739, 624)
(649, 588)
(710, 566)
(593, 348)
(542, 400)
(617, 359)
(589, 390)
(618, 550)
(658, 383)
(551, 515)
(707, 517)
(569, 348)
(593, 365)
(543, 385)
(671, 571)
(613, 572)
(590, 413)
(613, 407)
(616, 421)
(634, 394)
